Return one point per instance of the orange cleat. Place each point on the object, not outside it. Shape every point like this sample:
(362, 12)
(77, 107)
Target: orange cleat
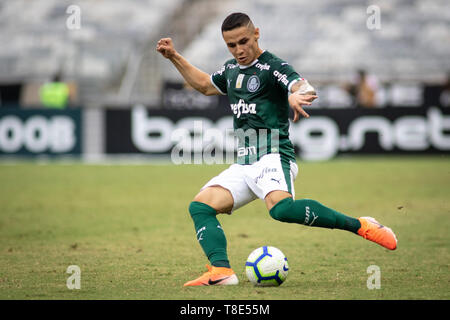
(376, 232)
(215, 276)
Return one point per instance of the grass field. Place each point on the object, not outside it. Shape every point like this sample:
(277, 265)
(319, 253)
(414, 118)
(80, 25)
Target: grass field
(128, 229)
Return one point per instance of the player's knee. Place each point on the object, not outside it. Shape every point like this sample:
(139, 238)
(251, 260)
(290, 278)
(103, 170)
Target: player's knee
(216, 197)
(196, 208)
(282, 210)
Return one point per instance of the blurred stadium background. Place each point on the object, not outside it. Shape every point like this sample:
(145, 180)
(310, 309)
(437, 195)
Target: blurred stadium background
(116, 83)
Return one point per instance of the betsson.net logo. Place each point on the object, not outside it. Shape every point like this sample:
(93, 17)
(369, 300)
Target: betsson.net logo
(199, 140)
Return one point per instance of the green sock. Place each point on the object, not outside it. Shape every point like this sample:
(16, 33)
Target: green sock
(210, 234)
(312, 213)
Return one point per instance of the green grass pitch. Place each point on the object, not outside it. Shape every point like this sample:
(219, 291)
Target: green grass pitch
(128, 229)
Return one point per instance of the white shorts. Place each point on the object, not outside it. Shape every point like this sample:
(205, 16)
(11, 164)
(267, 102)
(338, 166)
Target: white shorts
(248, 182)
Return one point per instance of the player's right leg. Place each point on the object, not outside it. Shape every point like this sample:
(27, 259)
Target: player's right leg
(216, 197)
(222, 194)
(203, 209)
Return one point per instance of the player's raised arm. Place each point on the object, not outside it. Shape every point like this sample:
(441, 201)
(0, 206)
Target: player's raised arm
(198, 79)
(303, 94)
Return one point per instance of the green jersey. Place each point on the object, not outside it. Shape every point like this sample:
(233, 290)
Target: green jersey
(258, 96)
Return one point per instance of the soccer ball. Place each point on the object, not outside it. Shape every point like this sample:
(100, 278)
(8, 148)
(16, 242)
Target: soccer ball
(266, 266)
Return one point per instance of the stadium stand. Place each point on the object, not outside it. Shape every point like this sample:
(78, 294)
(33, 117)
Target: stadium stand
(329, 40)
(113, 61)
(97, 55)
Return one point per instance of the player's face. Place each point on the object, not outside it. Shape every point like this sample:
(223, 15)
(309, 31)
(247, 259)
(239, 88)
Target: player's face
(242, 43)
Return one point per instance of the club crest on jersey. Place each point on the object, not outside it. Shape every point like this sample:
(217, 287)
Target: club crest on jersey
(242, 108)
(253, 83)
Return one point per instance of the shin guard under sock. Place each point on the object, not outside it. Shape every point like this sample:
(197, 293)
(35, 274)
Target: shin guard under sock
(210, 234)
(312, 213)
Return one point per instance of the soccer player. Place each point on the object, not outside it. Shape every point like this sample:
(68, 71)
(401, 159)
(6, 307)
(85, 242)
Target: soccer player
(260, 87)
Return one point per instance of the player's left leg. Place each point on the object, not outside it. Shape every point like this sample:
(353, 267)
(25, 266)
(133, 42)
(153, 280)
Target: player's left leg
(272, 181)
(312, 213)
(308, 212)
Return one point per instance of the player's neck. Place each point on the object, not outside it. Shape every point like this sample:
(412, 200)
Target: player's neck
(260, 52)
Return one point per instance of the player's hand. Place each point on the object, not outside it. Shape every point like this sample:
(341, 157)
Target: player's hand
(297, 101)
(165, 47)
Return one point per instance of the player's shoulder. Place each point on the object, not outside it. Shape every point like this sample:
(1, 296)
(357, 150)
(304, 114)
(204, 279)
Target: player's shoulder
(274, 60)
(231, 64)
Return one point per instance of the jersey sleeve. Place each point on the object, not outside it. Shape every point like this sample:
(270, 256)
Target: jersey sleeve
(219, 80)
(285, 75)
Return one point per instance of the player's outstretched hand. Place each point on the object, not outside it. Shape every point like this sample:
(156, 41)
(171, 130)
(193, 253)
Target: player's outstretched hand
(297, 101)
(165, 47)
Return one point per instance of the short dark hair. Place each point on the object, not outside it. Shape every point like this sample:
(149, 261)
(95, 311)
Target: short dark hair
(235, 20)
